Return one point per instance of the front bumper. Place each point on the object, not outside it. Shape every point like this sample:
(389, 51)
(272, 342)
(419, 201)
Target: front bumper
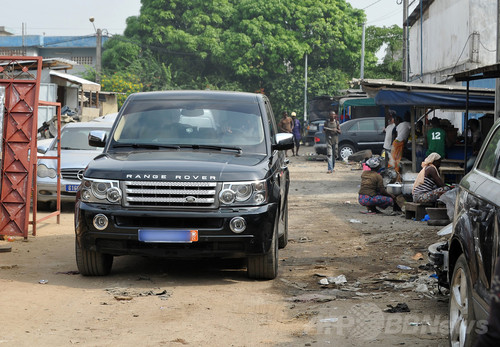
(47, 190)
(215, 238)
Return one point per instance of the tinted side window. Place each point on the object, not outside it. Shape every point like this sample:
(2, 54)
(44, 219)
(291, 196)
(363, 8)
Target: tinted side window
(491, 154)
(271, 121)
(366, 125)
(380, 123)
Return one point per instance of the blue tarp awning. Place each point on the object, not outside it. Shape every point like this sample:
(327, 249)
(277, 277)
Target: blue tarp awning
(434, 99)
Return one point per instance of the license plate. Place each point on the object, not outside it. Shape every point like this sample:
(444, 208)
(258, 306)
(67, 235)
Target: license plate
(72, 187)
(168, 236)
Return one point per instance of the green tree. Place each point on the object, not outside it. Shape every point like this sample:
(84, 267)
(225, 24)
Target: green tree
(390, 39)
(247, 45)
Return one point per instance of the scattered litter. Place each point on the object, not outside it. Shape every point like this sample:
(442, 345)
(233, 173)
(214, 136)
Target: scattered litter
(312, 298)
(417, 324)
(426, 218)
(123, 298)
(340, 279)
(403, 267)
(329, 320)
(323, 281)
(43, 281)
(5, 249)
(418, 256)
(126, 293)
(355, 221)
(422, 288)
(434, 276)
(305, 239)
(401, 307)
(72, 272)
(347, 202)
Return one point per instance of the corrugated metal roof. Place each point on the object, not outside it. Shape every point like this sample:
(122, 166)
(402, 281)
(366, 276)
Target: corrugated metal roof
(87, 86)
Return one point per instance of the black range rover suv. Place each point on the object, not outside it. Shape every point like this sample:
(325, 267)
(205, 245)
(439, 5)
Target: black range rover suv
(186, 174)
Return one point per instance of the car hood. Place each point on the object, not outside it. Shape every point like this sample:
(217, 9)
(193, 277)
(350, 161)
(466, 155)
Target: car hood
(179, 165)
(70, 159)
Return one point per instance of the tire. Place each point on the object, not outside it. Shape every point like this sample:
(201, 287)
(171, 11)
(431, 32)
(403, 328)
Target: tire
(265, 266)
(283, 239)
(461, 311)
(92, 263)
(345, 150)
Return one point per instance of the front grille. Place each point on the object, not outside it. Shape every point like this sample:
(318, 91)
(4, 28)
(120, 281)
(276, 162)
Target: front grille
(170, 194)
(71, 174)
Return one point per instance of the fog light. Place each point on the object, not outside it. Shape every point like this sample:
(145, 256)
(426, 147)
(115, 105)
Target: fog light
(238, 225)
(100, 221)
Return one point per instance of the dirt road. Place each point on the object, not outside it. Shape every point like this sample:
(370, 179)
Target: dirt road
(151, 302)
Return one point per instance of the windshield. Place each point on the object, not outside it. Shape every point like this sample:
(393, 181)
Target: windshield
(77, 139)
(191, 123)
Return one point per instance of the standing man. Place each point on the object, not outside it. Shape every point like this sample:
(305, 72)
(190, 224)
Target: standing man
(296, 134)
(332, 131)
(435, 138)
(388, 137)
(402, 133)
(286, 125)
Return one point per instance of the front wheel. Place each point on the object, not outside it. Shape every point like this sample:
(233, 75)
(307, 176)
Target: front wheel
(346, 150)
(265, 266)
(92, 263)
(460, 309)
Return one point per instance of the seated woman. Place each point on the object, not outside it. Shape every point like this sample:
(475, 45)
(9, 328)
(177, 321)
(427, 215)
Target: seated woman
(372, 193)
(429, 186)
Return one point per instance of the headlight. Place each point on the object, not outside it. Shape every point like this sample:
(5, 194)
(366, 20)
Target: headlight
(100, 191)
(243, 193)
(43, 171)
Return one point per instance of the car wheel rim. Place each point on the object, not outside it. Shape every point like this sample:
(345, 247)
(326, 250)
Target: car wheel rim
(459, 306)
(345, 153)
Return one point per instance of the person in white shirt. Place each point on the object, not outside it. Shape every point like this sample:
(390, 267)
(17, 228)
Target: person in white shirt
(389, 137)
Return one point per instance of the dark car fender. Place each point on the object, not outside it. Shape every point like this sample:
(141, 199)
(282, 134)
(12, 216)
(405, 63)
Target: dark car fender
(462, 241)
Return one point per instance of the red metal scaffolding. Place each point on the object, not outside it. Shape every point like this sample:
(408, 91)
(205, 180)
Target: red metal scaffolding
(21, 78)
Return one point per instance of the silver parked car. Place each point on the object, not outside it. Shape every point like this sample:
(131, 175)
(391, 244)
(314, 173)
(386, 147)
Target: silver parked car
(76, 153)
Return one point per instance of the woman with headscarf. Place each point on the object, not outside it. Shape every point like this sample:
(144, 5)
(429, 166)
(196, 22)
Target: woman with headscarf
(429, 186)
(372, 193)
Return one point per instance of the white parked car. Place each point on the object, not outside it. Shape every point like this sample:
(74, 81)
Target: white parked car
(76, 153)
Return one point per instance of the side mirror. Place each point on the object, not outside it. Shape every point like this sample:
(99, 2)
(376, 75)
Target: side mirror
(284, 141)
(42, 149)
(97, 138)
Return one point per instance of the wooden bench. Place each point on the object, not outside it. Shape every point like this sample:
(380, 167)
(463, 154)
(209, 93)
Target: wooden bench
(416, 210)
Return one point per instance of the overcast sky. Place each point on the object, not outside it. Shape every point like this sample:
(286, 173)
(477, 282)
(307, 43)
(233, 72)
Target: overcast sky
(71, 17)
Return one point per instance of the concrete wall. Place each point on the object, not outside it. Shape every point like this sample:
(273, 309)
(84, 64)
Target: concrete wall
(456, 35)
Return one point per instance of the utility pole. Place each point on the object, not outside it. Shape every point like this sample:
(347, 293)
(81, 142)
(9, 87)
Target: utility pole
(98, 56)
(362, 70)
(305, 90)
(404, 76)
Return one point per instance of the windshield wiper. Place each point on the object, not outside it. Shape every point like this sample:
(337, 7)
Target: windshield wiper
(144, 145)
(218, 148)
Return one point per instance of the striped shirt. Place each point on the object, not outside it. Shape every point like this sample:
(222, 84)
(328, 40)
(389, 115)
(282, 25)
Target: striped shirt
(427, 186)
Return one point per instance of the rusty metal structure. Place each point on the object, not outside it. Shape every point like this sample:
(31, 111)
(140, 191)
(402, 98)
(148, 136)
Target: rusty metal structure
(20, 76)
(57, 157)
